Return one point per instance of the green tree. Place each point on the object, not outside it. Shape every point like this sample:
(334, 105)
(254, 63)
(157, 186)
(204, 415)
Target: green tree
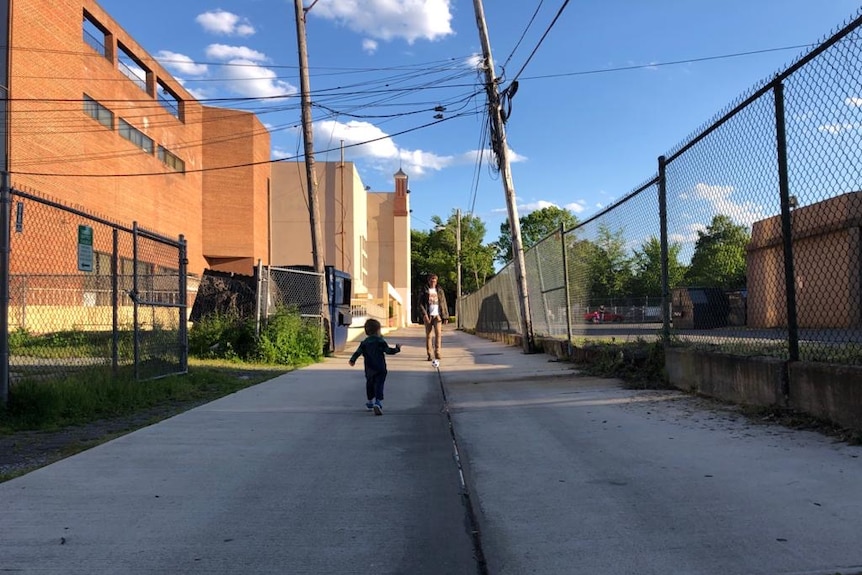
(435, 251)
(534, 226)
(719, 255)
(647, 268)
(610, 269)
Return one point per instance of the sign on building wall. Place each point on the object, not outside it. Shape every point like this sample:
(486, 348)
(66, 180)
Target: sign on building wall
(85, 248)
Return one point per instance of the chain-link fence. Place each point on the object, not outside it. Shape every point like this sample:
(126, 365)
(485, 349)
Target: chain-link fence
(86, 294)
(755, 245)
(256, 298)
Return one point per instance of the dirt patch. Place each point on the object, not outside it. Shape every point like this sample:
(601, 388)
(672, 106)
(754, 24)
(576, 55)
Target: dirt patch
(25, 451)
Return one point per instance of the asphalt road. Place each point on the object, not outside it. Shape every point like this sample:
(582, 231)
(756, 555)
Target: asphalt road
(558, 474)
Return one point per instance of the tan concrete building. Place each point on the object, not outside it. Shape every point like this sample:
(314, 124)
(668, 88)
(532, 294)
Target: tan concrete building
(96, 122)
(365, 233)
(827, 260)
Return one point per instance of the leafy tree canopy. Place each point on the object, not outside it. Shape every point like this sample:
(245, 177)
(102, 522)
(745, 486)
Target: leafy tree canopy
(719, 255)
(647, 268)
(534, 227)
(435, 251)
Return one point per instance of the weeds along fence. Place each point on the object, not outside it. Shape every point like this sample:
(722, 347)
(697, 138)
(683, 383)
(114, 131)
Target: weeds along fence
(748, 240)
(85, 294)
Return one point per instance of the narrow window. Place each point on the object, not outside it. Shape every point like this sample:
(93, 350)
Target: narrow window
(168, 99)
(135, 136)
(132, 68)
(94, 35)
(98, 112)
(171, 160)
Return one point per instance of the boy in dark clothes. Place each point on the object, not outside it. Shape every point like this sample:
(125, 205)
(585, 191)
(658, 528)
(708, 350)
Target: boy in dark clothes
(374, 349)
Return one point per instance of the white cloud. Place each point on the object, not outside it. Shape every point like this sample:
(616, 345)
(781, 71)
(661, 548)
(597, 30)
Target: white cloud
(721, 202)
(281, 153)
(369, 45)
(363, 140)
(198, 94)
(575, 207)
(476, 62)
(225, 23)
(249, 79)
(687, 234)
(224, 52)
(180, 63)
(387, 20)
(473, 155)
(837, 128)
(525, 209)
(854, 102)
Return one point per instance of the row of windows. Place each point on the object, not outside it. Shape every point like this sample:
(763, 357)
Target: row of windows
(98, 38)
(106, 117)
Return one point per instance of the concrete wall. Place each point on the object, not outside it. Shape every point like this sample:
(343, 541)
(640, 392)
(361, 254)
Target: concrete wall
(827, 391)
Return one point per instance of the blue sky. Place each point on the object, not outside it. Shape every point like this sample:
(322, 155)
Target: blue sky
(597, 102)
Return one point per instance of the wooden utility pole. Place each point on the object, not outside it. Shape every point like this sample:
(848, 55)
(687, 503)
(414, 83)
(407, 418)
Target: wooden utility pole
(501, 149)
(311, 176)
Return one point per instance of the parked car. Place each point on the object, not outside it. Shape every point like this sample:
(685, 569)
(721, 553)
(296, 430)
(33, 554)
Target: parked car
(602, 316)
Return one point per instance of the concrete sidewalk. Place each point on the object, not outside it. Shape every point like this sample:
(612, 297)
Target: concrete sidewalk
(562, 474)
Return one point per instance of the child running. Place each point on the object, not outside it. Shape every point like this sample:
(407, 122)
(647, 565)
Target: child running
(374, 349)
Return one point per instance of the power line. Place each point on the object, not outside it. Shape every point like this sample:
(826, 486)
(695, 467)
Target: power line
(542, 39)
(671, 63)
(243, 165)
(523, 34)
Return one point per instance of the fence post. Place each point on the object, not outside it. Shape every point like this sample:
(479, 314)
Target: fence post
(786, 225)
(136, 336)
(5, 250)
(542, 291)
(566, 288)
(115, 302)
(184, 304)
(665, 278)
(257, 296)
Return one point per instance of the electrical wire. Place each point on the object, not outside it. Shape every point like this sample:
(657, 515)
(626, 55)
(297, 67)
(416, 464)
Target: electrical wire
(542, 39)
(297, 158)
(523, 34)
(670, 63)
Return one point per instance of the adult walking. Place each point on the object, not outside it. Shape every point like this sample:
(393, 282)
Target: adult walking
(435, 312)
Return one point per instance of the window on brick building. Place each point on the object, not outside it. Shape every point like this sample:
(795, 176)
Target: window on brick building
(98, 112)
(94, 35)
(131, 67)
(135, 136)
(171, 160)
(169, 100)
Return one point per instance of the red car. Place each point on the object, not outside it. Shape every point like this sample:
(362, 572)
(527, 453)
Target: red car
(602, 316)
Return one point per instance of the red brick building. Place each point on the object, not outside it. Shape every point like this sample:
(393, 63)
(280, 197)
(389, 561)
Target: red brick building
(95, 122)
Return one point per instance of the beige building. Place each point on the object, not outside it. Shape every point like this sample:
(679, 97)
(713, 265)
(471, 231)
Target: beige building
(827, 262)
(364, 233)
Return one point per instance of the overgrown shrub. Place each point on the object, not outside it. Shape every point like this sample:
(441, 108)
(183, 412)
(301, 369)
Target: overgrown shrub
(288, 339)
(222, 336)
(285, 338)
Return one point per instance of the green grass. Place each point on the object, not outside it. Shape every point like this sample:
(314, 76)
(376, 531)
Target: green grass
(90, 396)
(71, 344)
